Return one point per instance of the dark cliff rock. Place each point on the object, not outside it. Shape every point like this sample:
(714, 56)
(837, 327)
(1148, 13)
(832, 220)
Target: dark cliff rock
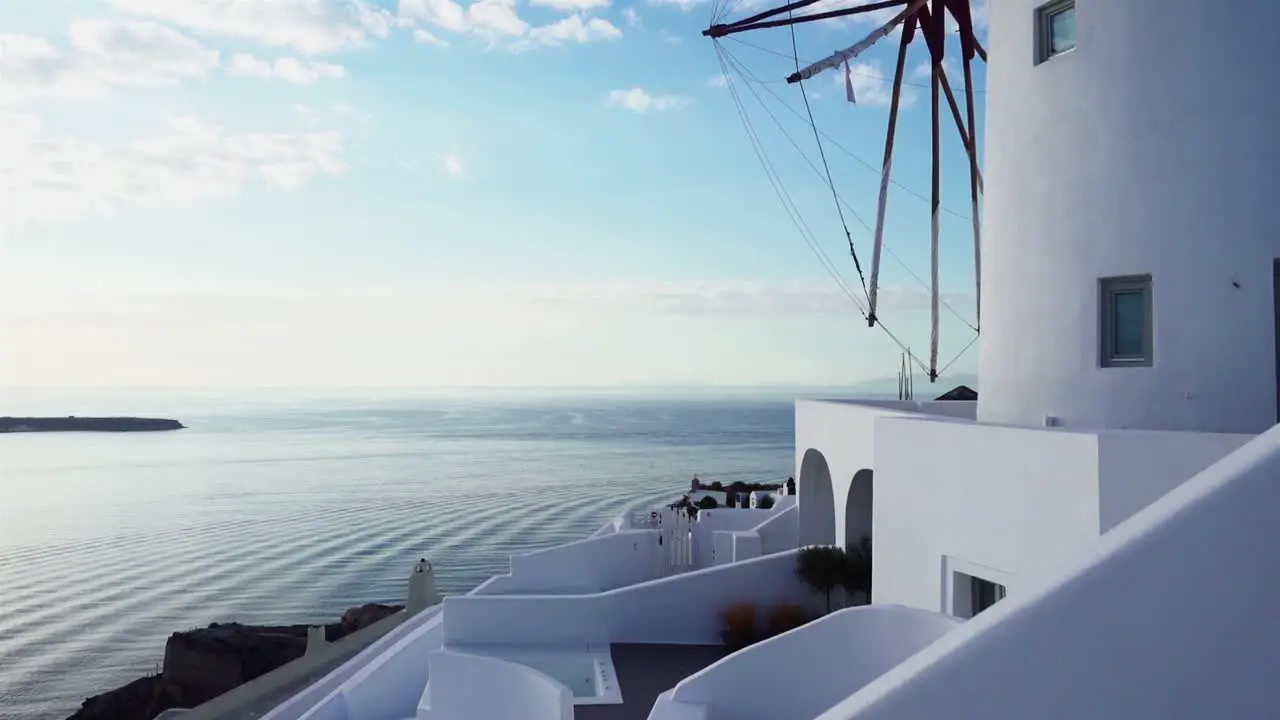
(201, 664)
(87, 424)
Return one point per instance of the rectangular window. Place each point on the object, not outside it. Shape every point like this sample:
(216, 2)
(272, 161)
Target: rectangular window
(984, 594)
(972, 594)
(1126, 337)
(1055, 29)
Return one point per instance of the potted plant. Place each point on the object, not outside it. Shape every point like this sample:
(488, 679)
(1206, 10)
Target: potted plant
(738, 625)
(786, 617)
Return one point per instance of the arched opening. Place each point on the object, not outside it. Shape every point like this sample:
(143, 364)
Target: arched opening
(816, 500)
(857, 508)
(857, 533)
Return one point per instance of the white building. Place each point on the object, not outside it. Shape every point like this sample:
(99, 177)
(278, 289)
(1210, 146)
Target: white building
(1107, 504)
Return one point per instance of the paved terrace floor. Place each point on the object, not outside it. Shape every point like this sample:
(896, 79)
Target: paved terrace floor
(644, 673)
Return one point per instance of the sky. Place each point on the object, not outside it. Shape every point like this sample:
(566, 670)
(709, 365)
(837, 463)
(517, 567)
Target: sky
(501, 193)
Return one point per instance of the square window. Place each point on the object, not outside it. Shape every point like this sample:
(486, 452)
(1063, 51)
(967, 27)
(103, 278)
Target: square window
(1055, 29)
(1125, 308)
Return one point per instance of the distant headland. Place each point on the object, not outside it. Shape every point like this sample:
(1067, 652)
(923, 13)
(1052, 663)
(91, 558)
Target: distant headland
(87, 424)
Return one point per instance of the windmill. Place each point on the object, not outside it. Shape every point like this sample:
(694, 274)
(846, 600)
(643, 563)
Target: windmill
(927, 19)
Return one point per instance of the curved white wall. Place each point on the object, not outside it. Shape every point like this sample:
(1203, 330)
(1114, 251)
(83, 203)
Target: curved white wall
(471, 687)
(803, 672)
(1150, 148)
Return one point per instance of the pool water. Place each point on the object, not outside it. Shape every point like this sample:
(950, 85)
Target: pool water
(576, 672)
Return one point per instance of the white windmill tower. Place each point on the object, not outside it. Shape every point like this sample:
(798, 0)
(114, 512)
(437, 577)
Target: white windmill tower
(1130, 239)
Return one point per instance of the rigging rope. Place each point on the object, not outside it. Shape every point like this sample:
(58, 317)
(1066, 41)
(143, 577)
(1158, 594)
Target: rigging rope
(835, 197)
(789, 205)
(738, 67)
(764, 84)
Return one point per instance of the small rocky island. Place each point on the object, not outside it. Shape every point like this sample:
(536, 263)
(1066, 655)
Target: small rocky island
(87, 424)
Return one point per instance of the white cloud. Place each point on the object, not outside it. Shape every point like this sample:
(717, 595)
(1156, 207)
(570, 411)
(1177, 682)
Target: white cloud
(684, 5)
(571, 5)
(44, 177)
(452, 165)
(632, 17)
(427, 38)
(575, 28)
(100, 54)
(718, 80)
(308, 26)
(289, 69)
(639, 100)
(923, 71)
(498, 21)
(870, 86)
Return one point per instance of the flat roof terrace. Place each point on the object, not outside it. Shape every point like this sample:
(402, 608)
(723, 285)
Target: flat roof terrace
(645, 672)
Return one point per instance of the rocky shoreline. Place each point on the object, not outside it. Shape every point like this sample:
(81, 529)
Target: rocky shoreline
(204, 663)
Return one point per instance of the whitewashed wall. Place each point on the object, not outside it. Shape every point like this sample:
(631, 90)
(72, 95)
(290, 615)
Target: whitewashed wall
(471, 687)
(719, 522)
(1102, 162)
(844, 432)
(782, 531)
(679, 609)
(1170, 615)
(803, 672)
(386, 686)
(305, 701)
(997, 502)
(597, 563)
(1136, 468)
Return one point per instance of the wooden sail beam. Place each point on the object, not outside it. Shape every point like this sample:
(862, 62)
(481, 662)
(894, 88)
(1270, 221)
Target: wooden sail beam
(929, 17)
(760, 21)
(932, 28)
(969, 47)
(841, 57)
(882, 202)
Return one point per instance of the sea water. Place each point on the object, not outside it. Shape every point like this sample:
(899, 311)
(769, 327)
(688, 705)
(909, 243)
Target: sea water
(291, 507)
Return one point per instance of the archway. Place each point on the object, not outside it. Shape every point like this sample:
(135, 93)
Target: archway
(816, 500)
(857, 507)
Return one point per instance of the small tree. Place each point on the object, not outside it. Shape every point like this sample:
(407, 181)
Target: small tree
(765, 502)
(706, 502)
(715, 485)
(823, 568)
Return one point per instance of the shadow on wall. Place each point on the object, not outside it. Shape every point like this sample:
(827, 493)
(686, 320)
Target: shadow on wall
(857, 508)
(817, 500)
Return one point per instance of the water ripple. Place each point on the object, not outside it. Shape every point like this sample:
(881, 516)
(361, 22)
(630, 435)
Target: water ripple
(289, 514)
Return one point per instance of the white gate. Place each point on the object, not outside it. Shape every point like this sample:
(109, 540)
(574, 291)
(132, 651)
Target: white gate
(673, 533)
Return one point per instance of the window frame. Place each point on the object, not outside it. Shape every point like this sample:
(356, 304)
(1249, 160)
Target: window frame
(1108, 289)
(1044, 29)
